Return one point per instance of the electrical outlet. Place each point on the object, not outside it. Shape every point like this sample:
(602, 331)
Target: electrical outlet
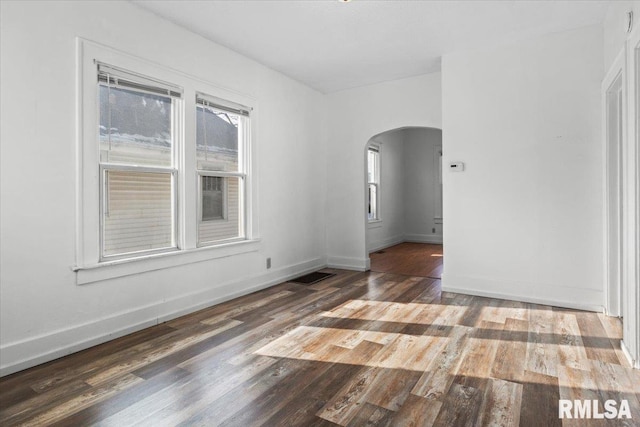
(268, 263)
(433, 230)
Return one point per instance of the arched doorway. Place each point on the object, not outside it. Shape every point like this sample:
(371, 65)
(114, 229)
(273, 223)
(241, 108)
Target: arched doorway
(403, 200)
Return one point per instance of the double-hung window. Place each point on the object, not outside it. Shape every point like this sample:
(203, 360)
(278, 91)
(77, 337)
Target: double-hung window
(373, 182)
(164, 167)
(138, 143)
(221, 168)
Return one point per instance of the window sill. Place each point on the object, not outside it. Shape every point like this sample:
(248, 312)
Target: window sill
(127, 267)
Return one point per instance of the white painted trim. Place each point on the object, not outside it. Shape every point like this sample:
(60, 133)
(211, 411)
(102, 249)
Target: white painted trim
(632, 317)
(69, 340)
(435, 239)
(347, 263)
(377, 147)
(437, 183)
(87, 202)
(424, 238)
(562, 296)
(627, 354)
(382, 244)
(520, 298)
(131, 266)
(612, 290)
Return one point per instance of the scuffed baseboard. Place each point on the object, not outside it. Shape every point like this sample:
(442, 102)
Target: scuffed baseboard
(546, 294)
(381, 244)
(345, 263)
(424, 238)
(33, 351)
(627, 354)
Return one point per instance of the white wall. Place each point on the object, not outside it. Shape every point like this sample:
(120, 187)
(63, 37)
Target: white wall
(43, 313)
(524, 221)
(621, 47)
(356, 116)
(420, 185)
(389, 229)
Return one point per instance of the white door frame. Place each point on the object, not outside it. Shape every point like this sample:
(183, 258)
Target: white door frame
(631, 328)
(622, 249)
(614, 89)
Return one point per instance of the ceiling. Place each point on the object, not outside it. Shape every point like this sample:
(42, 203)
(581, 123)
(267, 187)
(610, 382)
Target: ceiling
(332, 45)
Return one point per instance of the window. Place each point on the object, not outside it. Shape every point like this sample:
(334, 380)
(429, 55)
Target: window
(220, 146)
(164, 168)
(213, 198)
(438, 168)
(137, 161)
(373, 178)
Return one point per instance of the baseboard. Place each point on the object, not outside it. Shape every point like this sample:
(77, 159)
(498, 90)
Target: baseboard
(435, 239)
(345, 263)
(63, 342)
(627, 354)
(382, 244)
(560, 296)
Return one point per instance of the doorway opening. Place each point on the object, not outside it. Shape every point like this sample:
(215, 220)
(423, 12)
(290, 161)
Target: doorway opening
(403, 202)
(409, 259)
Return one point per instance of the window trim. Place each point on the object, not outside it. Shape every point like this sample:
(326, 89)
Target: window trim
(438, 181)
(89, 266)
(174, 93)
(134, 81)
(377, 148)
(244, 156)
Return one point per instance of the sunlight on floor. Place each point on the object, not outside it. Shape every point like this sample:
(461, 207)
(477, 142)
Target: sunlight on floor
(341, 346)
(416, 337)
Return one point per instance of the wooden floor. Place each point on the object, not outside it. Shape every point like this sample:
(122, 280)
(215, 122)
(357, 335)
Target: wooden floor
(410, 259)
(357, 349)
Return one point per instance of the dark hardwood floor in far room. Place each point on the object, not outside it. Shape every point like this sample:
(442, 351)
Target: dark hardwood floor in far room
(357, 349)
(410, 259)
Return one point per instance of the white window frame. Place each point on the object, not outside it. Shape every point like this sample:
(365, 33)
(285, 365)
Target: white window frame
(241, 174)
(376, 182)
(437, 167)
(172, 169)
(90, 267)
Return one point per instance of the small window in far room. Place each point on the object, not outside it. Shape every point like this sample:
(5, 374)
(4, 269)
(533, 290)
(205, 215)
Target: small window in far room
(213, 206)
(373, 178)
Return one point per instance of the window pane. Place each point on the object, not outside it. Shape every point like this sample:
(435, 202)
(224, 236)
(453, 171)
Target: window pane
(135, 127)
(213, 203)
(372, 165)
(217, 136)
(373, 202)
(230, 225)
(137, 213)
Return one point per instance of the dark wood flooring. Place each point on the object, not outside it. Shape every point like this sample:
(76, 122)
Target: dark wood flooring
(410, 259)
(355, 350)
